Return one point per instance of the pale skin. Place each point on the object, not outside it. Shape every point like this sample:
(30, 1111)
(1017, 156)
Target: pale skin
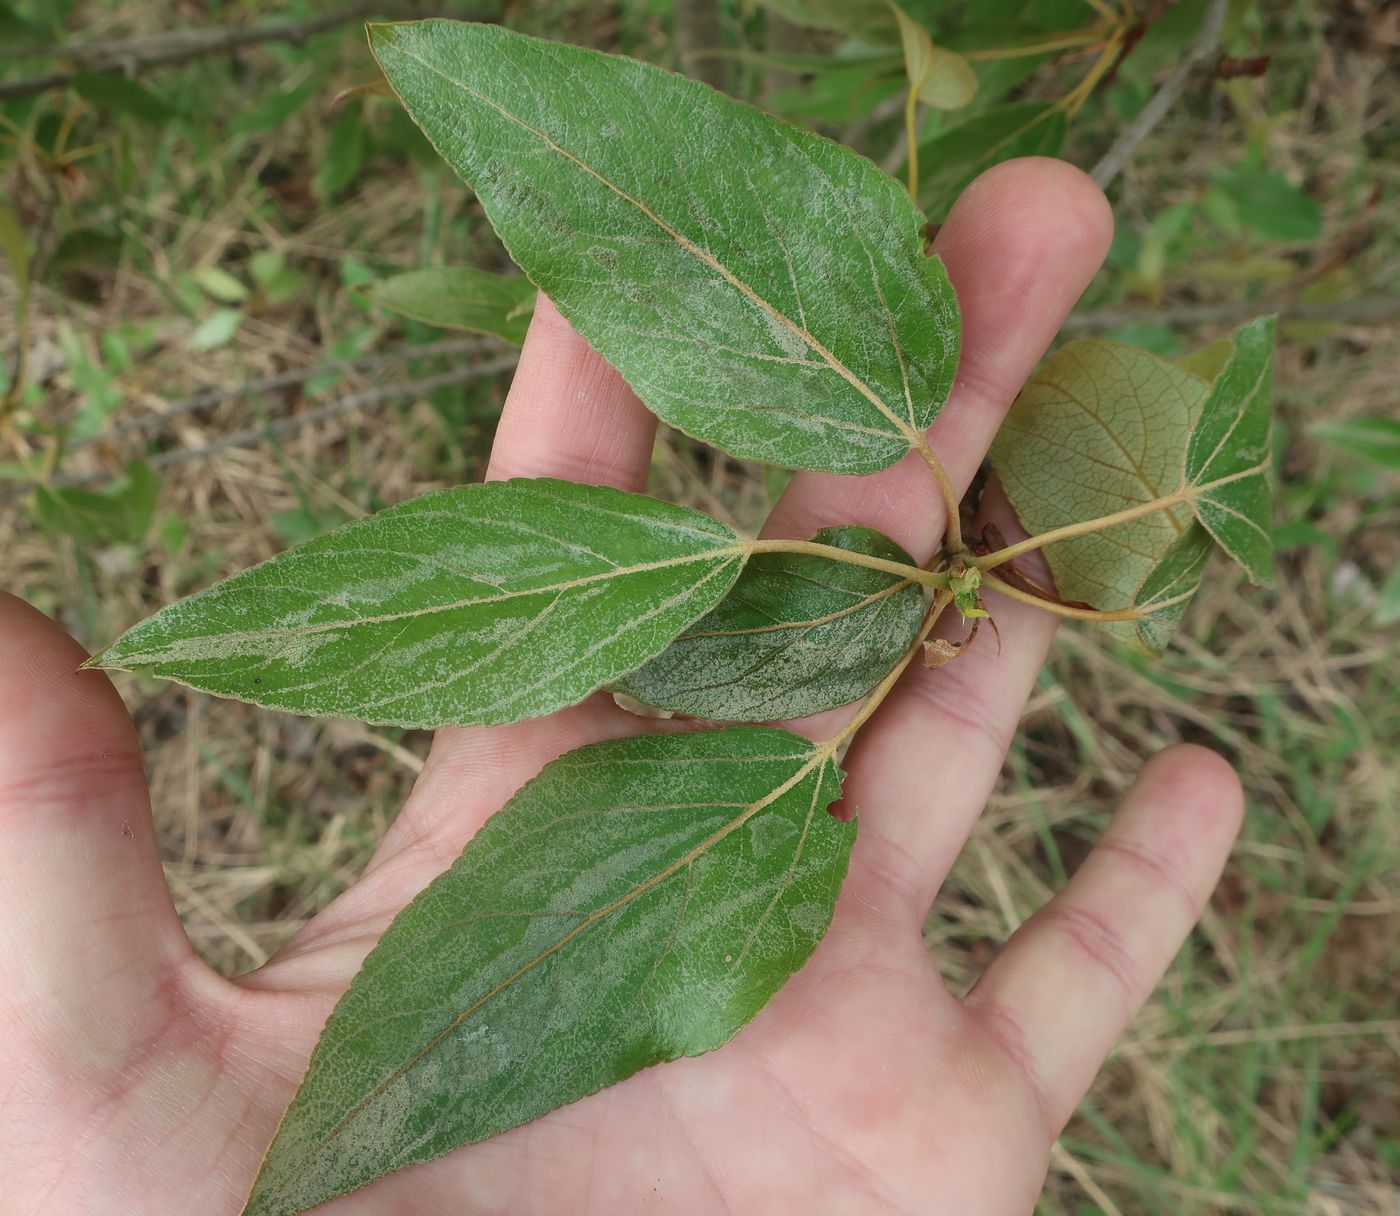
(136, 1080)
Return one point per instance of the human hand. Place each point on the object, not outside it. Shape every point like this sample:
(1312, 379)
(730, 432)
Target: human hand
(138, 1081)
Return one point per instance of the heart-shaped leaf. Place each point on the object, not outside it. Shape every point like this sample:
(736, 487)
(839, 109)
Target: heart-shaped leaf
(460, 297)
(1152, 446)
(797, 634)
(640, 900)
(484, 603)
(760, 287)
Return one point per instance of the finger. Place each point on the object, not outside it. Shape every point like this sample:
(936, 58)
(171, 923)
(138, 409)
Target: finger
(569, 414)
(89, 938)
(1067, 983)
(920, 773)
(1021, 244)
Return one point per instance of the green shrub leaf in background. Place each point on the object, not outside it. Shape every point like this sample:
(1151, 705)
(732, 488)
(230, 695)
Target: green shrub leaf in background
(1376, 439)
(460, 297)
(797, 634)
(118, 95)
(1141, 436)
(776, 303)
(121, 513)
(484, 603)
(639, 901)
(950, 160)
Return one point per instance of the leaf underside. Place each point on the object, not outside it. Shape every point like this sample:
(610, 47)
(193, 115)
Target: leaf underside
(1102, 428)
(481, 604)
(639, 901)
(797, 634)
(760, 287)
(460, 297)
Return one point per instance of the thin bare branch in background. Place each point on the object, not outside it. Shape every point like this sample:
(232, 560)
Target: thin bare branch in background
(1130, 138)
(135, 56)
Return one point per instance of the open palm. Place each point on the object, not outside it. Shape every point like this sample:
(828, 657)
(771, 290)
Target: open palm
(138, 1081)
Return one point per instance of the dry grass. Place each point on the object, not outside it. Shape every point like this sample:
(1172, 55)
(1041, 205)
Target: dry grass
(1263, 1078)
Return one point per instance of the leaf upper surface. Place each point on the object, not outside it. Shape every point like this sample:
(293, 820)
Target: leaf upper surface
(1228, 457)
(762, 288)
(797, 634)
(485, 603)
(640, 900)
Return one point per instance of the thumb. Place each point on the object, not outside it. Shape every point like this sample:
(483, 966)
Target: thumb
(90, 947)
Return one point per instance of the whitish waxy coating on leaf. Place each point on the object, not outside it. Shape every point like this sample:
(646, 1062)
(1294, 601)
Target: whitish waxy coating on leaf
(640, 900)
(486, 603)
(1103, 429)
(796, 635)
(760, 287)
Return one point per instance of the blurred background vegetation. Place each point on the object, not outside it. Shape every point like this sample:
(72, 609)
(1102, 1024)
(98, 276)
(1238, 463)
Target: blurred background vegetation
(191, 228)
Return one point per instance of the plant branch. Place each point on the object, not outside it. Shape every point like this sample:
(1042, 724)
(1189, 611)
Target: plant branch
(952, 504)
(1364, 310)
(1113, 162)
(940, 603)
(850, 558)
(990, 561)
(1001, 587)
(135, 56)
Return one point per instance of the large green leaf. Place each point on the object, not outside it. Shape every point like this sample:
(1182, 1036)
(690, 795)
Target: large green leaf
(460, 297)
(797, 634)
(1104, 429)
(760, 287)
(639, 901)
(485, 603)
(1227, 463)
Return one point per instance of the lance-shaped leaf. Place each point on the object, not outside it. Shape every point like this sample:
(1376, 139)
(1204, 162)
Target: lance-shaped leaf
(797, 634)
(951, 159)
(1151, 445)
(484, 603)
(761, 288)
(460, 297)
(1227, 462)
(639, 901)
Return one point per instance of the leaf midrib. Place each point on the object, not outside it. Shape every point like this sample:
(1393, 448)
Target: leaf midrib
(821, 755)
(910, 434)
(735, 549)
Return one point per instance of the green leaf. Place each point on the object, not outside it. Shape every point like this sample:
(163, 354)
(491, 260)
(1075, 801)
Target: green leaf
(484, 603)
(118, 95)
(871, 20)
(1166, 592)
(1104, 429)
(797, 634)
(274, 109)
(460, 297)
(639, 901)
(941, 78)
(121, 514)
(761, 288)
(949, 161)
(1375, 438)
(1227, 463)
(343, 158)
(1270, 204)
(217, 329)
